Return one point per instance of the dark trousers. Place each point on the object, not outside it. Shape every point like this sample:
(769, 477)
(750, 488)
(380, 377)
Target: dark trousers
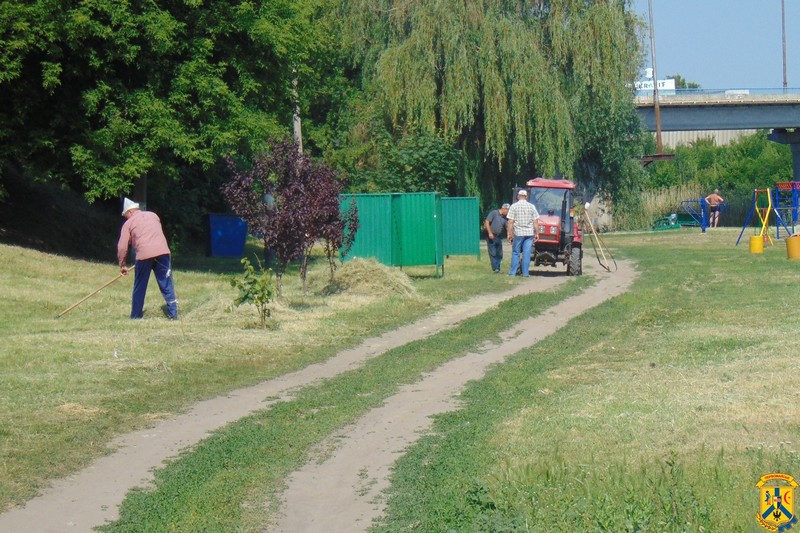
(495, 247)
(160, 266)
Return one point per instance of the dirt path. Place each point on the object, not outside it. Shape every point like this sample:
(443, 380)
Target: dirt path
(92, 496)
(343, 492)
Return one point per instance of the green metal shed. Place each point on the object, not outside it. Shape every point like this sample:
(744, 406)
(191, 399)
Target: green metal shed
(399, 229)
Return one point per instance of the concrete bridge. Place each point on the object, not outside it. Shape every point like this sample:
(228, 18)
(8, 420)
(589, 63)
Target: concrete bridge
(696, 109)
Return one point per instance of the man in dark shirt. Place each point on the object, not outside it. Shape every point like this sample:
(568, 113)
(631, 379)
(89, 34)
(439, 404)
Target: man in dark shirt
(495, 224)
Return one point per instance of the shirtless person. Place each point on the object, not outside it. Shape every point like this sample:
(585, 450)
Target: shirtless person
(713, 200)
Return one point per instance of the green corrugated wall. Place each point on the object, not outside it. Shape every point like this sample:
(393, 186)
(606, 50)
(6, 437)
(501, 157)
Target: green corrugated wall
(375, 232)
(408, 229)
(418, 218)
(461, 226)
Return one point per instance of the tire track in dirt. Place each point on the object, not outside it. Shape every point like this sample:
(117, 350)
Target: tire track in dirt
(343, 493)
(91, 497)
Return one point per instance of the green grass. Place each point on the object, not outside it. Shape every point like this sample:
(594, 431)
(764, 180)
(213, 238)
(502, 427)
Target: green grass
(71, 384)
(657, 411)
(249, 460)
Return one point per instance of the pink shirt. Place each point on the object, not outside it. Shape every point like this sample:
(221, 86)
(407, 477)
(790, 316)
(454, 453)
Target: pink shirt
(142, 231)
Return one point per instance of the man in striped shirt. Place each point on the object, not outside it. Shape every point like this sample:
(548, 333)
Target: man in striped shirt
(521, 229)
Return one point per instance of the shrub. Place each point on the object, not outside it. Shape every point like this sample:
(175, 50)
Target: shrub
(255, 288)
(303, 208)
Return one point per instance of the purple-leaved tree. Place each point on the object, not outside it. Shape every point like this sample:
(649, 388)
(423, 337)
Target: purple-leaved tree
(303, 207)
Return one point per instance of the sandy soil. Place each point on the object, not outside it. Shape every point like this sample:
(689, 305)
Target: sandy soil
(342, 492)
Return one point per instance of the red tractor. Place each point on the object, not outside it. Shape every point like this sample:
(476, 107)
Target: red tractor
(559, 239)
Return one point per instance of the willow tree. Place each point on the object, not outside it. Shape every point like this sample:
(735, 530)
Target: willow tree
(516, 85)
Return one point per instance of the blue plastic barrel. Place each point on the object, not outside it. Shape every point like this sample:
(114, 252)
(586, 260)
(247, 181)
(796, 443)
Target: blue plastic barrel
(228, 234)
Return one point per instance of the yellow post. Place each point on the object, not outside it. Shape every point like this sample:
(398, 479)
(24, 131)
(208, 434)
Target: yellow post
(764, 217)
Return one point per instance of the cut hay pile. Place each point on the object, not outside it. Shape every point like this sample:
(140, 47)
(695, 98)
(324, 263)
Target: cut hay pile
(369, 277)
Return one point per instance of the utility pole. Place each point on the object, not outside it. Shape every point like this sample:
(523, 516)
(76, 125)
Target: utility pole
(783, 37)
(656, 109)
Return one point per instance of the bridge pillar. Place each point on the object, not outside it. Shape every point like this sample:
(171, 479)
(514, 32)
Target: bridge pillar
(792, 138)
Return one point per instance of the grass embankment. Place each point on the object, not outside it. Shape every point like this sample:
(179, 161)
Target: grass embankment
(658, 411)
(71, 384)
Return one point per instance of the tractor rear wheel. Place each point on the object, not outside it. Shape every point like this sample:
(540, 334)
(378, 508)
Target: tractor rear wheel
(575, 266)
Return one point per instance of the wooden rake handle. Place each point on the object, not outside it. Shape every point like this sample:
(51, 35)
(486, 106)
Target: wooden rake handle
(76, 304)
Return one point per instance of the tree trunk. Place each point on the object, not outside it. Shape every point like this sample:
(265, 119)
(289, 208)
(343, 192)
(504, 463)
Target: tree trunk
(298, 131)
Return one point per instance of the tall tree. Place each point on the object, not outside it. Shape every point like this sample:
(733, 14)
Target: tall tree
(98, 94)
(514, 84)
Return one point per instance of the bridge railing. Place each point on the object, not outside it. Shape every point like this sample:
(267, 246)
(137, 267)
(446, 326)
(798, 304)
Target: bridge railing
(728, 96)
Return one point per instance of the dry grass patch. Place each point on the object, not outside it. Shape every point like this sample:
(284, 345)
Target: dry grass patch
(77, 409)
(368, 277)
(634, 410)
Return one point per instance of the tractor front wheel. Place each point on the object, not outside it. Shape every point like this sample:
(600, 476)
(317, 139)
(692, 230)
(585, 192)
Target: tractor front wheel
(575, 266)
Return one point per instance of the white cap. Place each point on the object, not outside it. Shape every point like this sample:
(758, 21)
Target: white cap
(127, 205)
(522, 192)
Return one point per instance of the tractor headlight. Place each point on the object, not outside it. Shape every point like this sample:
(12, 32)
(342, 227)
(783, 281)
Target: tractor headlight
(542, 230)
(553, 230)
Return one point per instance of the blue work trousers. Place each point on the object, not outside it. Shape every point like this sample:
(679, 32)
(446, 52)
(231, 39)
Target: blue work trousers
(521, 246)
(160, 266)
(495, 247)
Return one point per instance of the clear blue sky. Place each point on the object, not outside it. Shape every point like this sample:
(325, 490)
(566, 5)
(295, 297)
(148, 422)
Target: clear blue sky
(724, 44)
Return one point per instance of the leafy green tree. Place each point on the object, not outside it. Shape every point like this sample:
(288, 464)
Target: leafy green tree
(99, 94)
(39, 95)
(750, 162)
(681, 83)
(414, 163)
(515, 86)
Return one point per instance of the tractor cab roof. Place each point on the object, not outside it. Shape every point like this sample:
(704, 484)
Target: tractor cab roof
(550, 184)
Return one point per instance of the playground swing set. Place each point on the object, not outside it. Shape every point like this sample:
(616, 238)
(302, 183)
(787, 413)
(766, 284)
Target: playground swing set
(781, 203)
